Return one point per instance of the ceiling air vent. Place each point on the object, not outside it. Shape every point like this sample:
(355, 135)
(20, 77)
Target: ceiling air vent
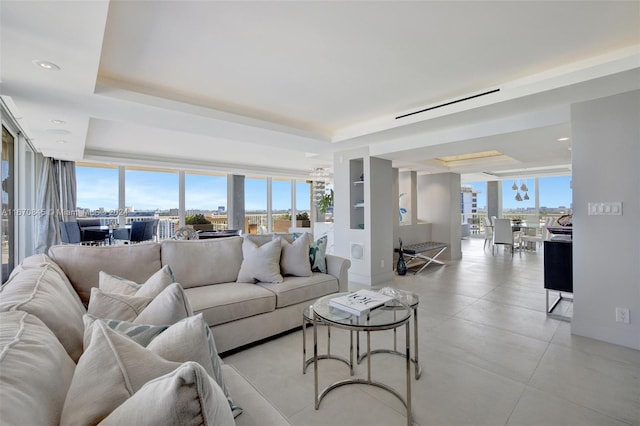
(448, 103)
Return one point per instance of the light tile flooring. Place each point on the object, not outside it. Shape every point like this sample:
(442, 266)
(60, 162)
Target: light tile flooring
(489, 353)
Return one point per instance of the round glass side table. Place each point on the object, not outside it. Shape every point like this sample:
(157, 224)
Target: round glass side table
(410, 299)
(307, 318)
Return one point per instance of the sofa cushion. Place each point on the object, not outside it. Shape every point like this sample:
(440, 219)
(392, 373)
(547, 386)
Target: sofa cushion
(109, 372)
(257, 410)
(168, 307)
(186, 396)
(42, 292)
(35, 371)
(260, 263)
(294, 259)
(150, 288)
(82, 264)
(299, 289)
(202, 262)
(226, 302)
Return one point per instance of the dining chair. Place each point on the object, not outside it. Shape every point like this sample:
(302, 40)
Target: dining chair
(70, 233)
(488, 232)
(503, 234)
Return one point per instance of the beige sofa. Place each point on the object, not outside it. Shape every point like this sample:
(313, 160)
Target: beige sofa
(238, 313)
(44, 300)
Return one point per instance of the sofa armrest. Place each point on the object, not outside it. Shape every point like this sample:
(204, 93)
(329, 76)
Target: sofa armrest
(339, 267)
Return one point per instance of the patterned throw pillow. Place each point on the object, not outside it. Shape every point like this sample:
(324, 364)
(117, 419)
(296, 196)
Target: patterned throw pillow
(317, 255)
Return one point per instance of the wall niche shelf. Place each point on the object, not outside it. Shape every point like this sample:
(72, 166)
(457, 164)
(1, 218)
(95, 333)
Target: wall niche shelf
(357, 196)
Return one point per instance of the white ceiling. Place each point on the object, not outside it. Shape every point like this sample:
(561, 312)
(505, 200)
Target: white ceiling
(277, 87)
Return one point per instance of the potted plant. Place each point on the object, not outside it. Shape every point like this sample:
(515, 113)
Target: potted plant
(325, 202)
(198, 222)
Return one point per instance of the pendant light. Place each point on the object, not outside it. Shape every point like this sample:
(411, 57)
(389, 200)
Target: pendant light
(518, 196)
(526, 196)
(514, 186)
(523, 187)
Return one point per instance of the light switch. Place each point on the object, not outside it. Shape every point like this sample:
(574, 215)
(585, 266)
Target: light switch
(605, 209)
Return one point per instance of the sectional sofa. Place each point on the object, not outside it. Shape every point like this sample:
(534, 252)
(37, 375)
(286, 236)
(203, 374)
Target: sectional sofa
(43, 303)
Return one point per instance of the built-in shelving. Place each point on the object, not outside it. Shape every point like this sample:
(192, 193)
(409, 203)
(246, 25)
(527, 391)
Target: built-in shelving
(357, 198)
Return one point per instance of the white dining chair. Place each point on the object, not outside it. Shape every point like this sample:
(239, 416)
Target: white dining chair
(503, 234)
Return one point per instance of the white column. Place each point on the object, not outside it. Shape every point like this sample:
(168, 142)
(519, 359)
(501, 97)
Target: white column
(122, 216)
(181, 198)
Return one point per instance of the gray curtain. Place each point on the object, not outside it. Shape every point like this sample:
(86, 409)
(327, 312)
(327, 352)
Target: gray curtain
(56, 198)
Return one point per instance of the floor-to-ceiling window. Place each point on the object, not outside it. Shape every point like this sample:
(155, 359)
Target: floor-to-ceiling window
(206, 195)
(281, 207)
(97, 191)
(8, 203)
(303, 198)
(255, 204)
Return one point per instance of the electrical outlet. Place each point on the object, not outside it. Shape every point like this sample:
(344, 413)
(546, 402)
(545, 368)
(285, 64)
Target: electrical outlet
(622, 315)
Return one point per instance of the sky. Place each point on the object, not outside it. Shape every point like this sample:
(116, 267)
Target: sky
(98, 187)
(554, 192)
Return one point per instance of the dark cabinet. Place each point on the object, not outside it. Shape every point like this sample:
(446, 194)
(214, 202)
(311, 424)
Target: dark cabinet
(558, 265)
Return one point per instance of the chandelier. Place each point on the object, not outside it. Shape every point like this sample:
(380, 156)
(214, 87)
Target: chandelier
(320, 174)
(523, 187)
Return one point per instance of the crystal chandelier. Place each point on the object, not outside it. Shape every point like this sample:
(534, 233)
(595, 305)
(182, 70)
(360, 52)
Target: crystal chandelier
(320, 174)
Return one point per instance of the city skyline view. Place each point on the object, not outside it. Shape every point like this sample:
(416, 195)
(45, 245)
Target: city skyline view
(554, 192)
(97, 187)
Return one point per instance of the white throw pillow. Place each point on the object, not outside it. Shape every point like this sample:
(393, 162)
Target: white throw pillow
(187, 340)
(109, 372)
(294, 259)
(168, 307)
(186, 396)
(35, 371)
(260, 263)
(151, 288)
(41, 291)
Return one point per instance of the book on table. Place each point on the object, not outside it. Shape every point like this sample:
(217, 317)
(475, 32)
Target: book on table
(360, 302)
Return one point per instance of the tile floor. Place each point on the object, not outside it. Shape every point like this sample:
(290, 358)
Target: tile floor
(489, 353)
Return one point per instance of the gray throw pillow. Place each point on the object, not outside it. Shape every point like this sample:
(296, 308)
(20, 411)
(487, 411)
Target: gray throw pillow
(294, 259)
(260, 263)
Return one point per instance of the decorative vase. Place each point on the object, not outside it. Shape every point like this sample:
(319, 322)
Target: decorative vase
(401, 267)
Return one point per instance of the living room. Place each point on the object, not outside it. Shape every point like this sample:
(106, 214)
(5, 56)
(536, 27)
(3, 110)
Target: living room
(277, 90)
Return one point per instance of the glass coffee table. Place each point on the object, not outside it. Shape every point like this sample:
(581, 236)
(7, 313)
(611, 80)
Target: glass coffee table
(389, 317)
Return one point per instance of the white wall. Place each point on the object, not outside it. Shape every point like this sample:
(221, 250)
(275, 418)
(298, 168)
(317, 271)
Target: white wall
(439, 204)
(375, 267)
(606, 249)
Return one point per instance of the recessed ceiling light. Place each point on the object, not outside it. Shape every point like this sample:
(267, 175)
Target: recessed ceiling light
(62, 141)
(46, 65)
(58, 121)
(58, 131)
(562, 139)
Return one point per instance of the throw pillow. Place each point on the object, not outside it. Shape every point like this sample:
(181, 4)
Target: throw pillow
(186, 396)
(151, 288)
(109, 372)
(42, 292)
(170, 306)
(35, 371)
(317, 255)
(187, 340)
(260, 263)
(294, 259)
